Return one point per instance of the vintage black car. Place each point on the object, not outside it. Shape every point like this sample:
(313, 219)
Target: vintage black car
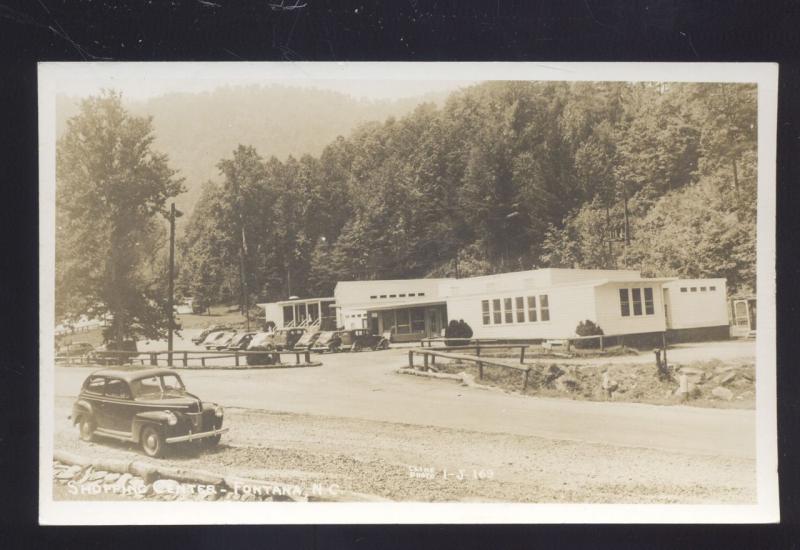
(328, 340)
(204, 334)
(261, 341)
(114, 353)
(240, 341)
(219, 340)
(147, 406)
(285, 338)
(361, 339)
(306, 340)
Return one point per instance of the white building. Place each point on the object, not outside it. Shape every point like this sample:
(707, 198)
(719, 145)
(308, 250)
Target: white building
(536, 304)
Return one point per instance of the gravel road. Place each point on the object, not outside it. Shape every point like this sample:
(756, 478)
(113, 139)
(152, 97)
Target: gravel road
(355, 423)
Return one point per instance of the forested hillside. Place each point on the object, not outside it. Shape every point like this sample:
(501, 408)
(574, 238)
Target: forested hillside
(505, 176)
(197, 129)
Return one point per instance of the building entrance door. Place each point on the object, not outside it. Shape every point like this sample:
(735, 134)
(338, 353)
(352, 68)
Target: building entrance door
(434, 324)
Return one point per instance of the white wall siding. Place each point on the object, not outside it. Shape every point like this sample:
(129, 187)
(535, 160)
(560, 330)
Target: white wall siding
(350, 294)
(610, 316)
(567, 306)
(274, 313)
(698, 308)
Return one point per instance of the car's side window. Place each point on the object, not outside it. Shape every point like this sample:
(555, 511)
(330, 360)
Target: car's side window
(117, 388)
(95, 385)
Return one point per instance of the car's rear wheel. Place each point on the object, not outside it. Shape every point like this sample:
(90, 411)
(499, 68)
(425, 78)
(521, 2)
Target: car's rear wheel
(86, 426)
(152, 441)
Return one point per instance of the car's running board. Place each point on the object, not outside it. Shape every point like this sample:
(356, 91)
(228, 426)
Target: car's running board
(122, 436)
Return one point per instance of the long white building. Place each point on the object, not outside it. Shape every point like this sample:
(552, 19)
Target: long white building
(536, 304)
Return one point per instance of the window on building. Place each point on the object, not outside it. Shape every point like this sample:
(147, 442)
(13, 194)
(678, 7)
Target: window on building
(288, 314)
(648, 301)
(532, 317)
(420, 294)
(418, 319)
(402, 295)
(509, 312)
(683, 289)
(624, 304)
(636, 298)
(392, 295)
(544, 307)
(497, 314)
(487, 318)
(383, 295)
(702, 289)
(694, 289)
(712, 288)
(373, 297)
(520, 303)
(411, 294)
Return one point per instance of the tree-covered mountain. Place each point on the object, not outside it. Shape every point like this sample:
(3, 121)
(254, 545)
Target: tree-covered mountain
(196, 130)
(503, 176)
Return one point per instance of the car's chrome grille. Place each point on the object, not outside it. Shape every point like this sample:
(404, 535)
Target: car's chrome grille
(197, 420)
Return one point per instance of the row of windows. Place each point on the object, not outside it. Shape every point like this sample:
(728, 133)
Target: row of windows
(355, 315)
(630, 301)
(701, 289)
(409, 294)
(515, 310)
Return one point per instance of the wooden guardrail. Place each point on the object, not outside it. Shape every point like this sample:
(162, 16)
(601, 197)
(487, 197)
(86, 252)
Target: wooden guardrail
(429, 360)
(568, 341)
(182, 357)
(478, 347)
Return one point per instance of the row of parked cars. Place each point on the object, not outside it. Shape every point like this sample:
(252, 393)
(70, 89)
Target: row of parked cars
(293, 339)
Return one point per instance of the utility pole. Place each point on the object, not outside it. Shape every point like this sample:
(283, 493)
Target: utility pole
(245, 297)
(171, 297)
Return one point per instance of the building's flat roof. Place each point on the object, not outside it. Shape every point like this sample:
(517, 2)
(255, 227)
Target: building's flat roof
(298, 301)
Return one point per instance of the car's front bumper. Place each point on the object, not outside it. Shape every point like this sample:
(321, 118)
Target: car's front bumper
(192, 437)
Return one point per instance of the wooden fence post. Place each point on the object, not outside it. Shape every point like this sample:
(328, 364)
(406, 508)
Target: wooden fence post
(153, 360)
(664, 345)
(525, 380)
(480, 370)
(308, 356)
(236, 357)
(602, 343)
(185, 359)
(425, 360)
(522, 355)
(410, 359)
(202, 361)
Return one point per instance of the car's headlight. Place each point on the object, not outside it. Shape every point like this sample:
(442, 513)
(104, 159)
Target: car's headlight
(171, 418)
(218, 412)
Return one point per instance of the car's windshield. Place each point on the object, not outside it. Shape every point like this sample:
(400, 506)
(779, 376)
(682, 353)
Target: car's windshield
(165, 385)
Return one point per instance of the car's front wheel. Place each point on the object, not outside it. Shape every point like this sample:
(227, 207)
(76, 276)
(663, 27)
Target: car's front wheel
(152, 441)
(213, 441)
(86, 426)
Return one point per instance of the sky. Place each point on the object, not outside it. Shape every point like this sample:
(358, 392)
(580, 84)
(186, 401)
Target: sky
(138, 81)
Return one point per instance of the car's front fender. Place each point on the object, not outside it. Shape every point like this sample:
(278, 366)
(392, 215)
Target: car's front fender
(159, 418)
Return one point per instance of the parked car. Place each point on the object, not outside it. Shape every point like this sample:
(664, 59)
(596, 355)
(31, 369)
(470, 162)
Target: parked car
(261, 341)
(286, 338)
(360, 339)
(328, 340)
(240, 341)
(75, 349)
(110, 353)
(306, 340)
(208, 330)
(218, 340)
(150, 407)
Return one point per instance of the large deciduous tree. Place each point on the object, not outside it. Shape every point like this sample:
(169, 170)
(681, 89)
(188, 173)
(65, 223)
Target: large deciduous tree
(111, 192)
